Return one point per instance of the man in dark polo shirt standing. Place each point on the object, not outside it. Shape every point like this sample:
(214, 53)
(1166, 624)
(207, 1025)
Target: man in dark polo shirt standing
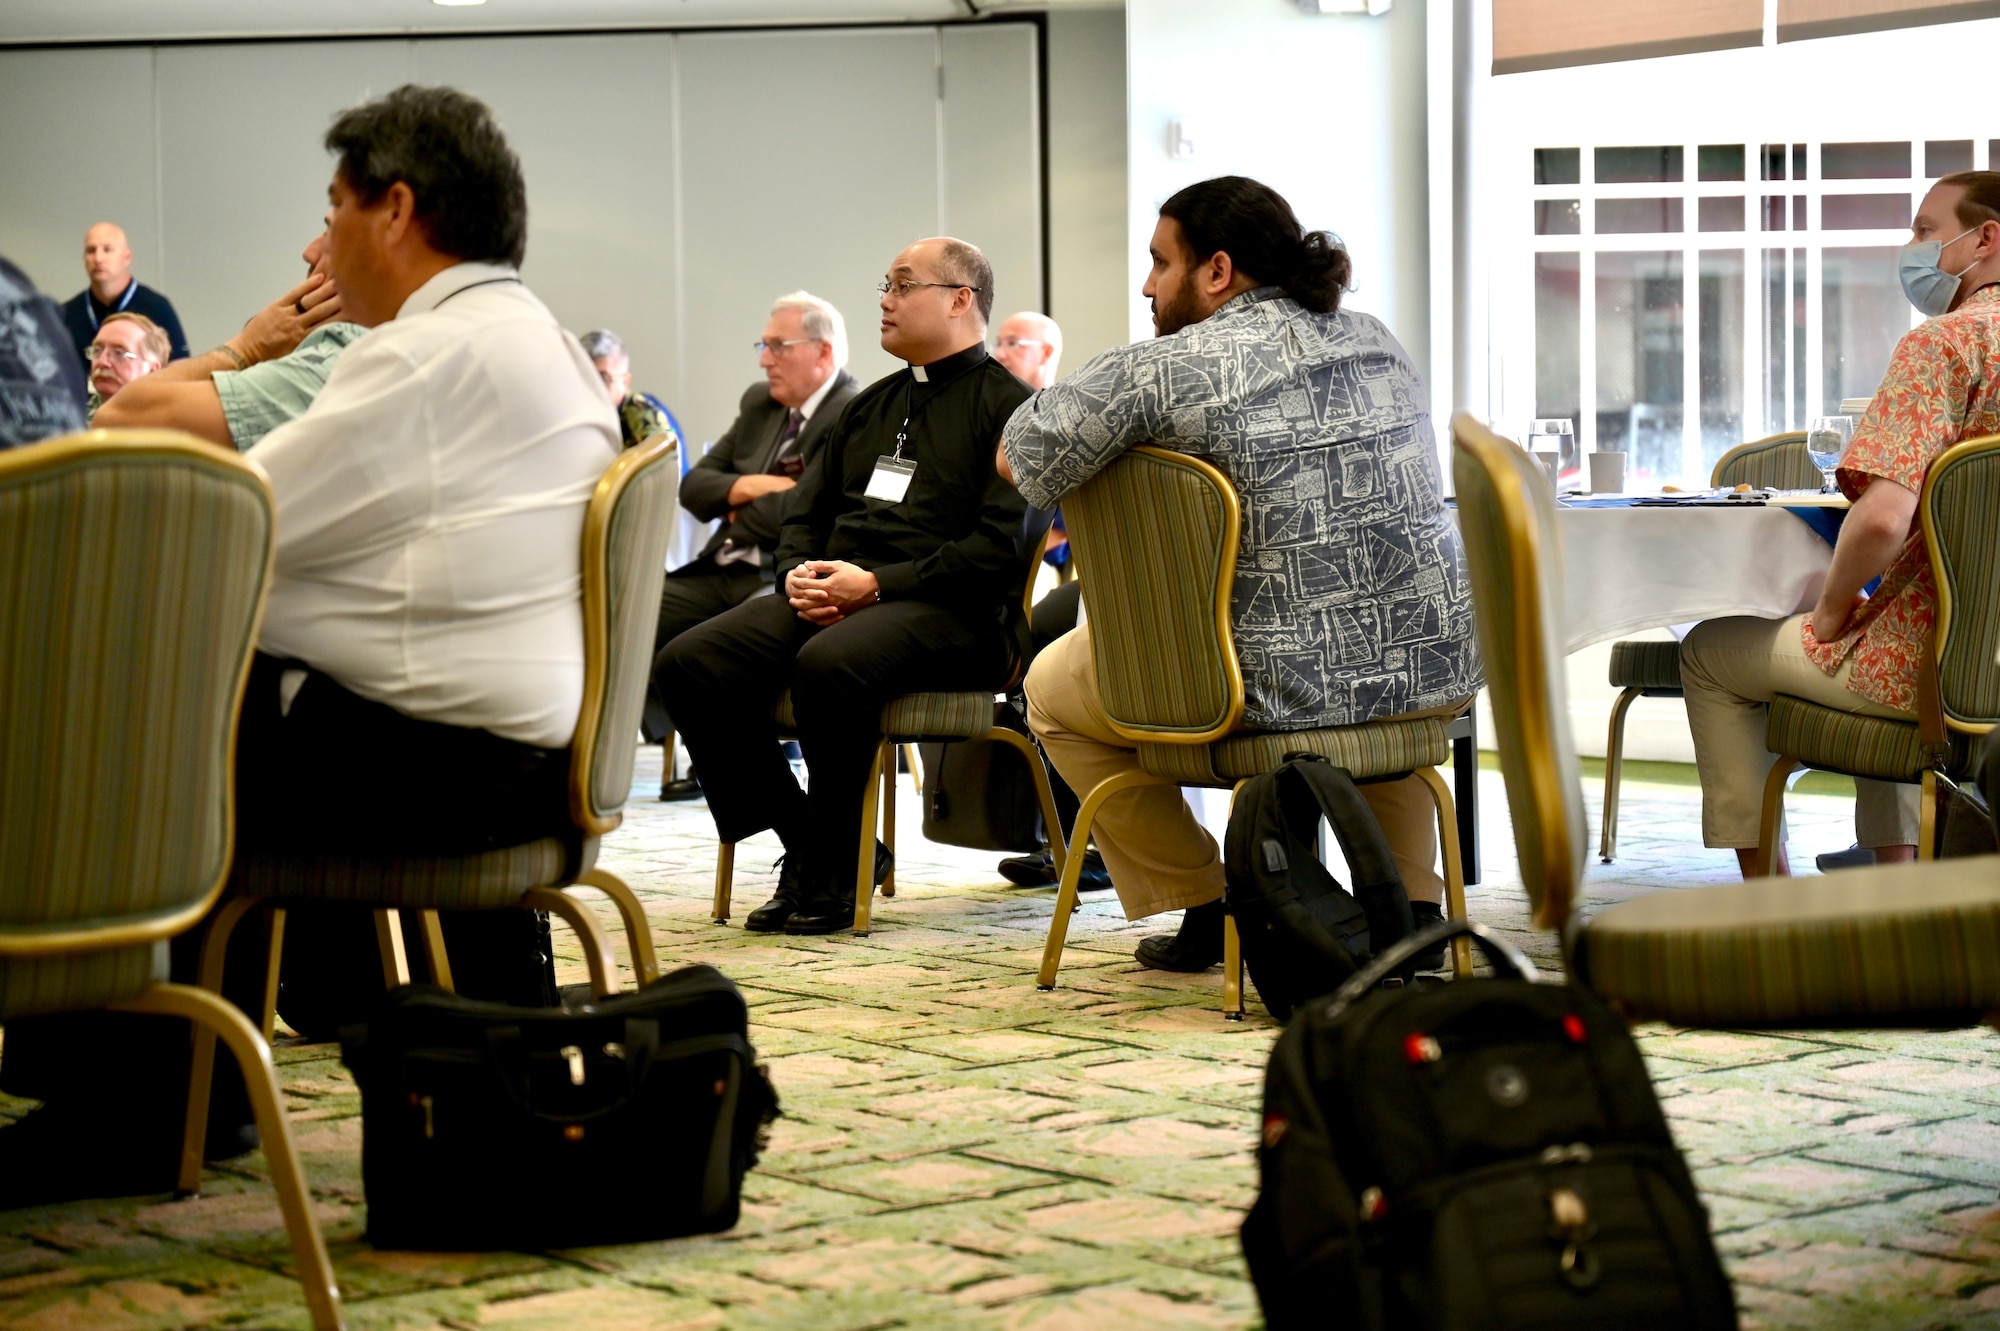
(899, 556)
(107, 258)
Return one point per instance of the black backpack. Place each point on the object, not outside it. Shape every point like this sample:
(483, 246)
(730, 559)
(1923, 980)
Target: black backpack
(1303, 934)
(1481, 1154)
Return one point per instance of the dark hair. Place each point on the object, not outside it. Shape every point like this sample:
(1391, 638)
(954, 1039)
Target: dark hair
(1981, 200)
(446, 147)
(964, 264)
(1251, 223)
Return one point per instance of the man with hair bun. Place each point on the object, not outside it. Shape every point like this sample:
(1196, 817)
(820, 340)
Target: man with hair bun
(1351, 603)
(745, 479)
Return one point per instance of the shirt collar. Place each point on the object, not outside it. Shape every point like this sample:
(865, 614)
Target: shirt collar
(950, 367)
(811, 404)
(450, 282)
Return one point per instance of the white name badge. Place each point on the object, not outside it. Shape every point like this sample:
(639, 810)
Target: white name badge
(891, 480)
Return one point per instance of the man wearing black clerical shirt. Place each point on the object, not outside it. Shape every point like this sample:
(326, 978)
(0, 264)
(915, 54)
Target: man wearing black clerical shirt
(900, 554)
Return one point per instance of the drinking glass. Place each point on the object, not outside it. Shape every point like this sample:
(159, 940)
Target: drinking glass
(1826, 440)
(1554, 434)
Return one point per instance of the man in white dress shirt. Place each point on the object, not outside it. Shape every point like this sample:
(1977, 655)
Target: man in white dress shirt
(420, 667)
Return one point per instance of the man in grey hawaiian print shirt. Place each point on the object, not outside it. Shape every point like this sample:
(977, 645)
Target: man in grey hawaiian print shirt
(1350, 602)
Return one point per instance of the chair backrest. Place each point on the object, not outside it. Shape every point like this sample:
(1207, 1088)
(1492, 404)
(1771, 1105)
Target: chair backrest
(1961, 517)
(631, 519)
(1777, 462)
(1506, 516)
(1156, 536)
(133, 569)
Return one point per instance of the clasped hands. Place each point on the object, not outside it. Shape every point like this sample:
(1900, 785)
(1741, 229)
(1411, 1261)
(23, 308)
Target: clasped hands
(826, 591)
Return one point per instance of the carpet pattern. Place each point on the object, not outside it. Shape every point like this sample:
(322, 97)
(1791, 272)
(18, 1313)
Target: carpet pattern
(959, 1150)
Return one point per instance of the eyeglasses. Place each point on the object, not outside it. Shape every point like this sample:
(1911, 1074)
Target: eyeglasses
(118, 355)
(1009, 343)
(778, 348)
(902, 287)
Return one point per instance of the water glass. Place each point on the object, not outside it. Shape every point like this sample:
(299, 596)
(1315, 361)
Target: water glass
(1554, 434)
(1826, 440)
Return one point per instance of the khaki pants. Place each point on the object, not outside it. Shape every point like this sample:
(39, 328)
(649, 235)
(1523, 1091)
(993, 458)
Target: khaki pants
(1729, 670)
(1158, 855)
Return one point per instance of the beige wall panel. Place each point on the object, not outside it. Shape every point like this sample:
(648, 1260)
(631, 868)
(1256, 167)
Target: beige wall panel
(1544, 34)
(992, 156)
(1089, 275)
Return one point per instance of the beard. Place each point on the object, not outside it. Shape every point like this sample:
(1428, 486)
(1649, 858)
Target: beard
(1180, 308)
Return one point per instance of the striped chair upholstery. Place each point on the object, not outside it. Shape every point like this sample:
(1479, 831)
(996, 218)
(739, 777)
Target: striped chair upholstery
(1507, 517)
(1892, 945)
(133, 566)
(1653, 669)
(1858, 947)
(1960, 510)
(917, 718)
(486, 881)
(1157, 535)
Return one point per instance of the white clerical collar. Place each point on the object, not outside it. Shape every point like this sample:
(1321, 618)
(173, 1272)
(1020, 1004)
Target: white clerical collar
(918, 371)
(459, 277)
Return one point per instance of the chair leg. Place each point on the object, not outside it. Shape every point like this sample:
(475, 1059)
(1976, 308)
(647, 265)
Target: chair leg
(1044, 795)
(1614, 765)
(268, 1000)
(1927, 818)
(1232, 971)
(214, 1016)
(638, 936)
(725, 872)
(596, 943)
(389, 940)
(1454, 869)
(888, 817)
(432, 930)
(864, 863)
(1770, 827)
(1066, 894)
(201, 1064)
(916, 766)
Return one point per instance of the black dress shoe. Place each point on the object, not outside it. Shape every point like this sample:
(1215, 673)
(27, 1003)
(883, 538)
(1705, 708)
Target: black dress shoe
(687, 788)
(1427, 914)
(831, 910)
(770, 917)
(1040, 871)
(1196, 947)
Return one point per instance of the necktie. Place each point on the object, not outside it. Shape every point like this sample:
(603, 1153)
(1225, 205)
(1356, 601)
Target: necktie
(784, 461)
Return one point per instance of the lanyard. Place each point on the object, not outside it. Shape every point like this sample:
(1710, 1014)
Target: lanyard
(90, 305)
(488, 282)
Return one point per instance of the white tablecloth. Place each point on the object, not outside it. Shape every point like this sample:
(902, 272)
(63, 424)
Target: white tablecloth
(1626, 569)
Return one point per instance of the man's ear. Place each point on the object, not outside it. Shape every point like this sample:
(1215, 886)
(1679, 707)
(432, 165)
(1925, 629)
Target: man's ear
(399, 212)
(1218, 272)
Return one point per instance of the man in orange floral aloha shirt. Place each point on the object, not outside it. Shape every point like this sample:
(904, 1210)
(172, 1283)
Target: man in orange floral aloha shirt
(1856, 652)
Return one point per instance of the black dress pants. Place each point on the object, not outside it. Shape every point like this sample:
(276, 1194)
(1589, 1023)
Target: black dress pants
(1053, 616)
(722, 678)
(691, 595)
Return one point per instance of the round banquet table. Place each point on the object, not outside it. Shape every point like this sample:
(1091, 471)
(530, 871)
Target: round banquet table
(1626, 569)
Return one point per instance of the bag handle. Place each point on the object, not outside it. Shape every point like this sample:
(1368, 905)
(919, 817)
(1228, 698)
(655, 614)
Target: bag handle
(1500, 954)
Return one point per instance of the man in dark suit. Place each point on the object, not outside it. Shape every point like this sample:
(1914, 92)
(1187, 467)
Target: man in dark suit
(747, 477)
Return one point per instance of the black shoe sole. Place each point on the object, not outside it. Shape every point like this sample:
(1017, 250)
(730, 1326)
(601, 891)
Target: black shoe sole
(810, 925)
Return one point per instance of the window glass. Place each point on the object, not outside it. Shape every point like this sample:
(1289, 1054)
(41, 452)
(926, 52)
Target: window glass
(1558, 381)
(1640, 360)
(1864, 212)
(1722, 214)
(1864, 161)
(1557, 166)
(1638, 166)
(1624, 217)
(1719, 353)
(1944, 156)
(1557, 217)
(1862, 315)
(1720, 161)
(1774, 161)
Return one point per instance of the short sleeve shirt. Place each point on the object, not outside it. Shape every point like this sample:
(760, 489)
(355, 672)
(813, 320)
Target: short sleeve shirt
(257, 400)
(1942, 388)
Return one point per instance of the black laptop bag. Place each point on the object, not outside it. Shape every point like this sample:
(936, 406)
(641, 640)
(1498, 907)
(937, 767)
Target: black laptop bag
(486, 1126)
(1482, 1154)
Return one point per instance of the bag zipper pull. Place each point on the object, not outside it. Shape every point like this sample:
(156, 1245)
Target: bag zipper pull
(575, 1057)
(429, 1127)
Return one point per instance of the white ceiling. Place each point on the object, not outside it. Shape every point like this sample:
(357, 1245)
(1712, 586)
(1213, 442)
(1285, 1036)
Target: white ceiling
(28, 21)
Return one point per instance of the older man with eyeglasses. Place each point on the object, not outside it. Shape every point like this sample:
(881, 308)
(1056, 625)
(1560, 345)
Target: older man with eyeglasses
(125, 347)
(743, 482)
(899, 556)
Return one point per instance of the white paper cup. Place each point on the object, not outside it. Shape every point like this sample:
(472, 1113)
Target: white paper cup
(1607, 473)
(1551, 460)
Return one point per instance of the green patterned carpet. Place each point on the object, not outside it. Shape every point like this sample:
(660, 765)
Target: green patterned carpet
(959, 1150)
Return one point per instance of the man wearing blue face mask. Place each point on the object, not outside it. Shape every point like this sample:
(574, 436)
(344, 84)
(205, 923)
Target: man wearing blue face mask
(1854, 651)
